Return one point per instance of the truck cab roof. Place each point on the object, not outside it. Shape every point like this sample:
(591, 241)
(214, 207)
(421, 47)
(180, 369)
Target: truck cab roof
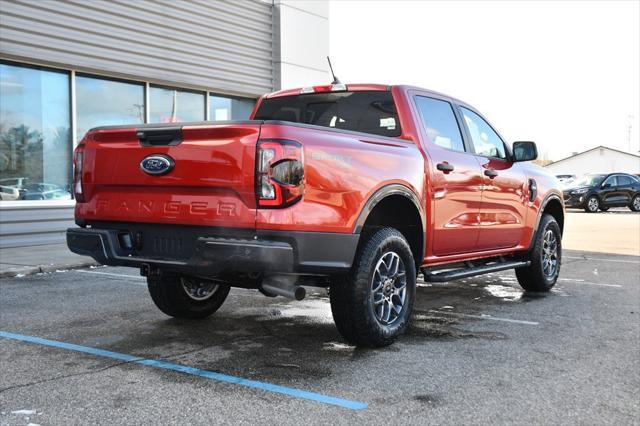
(357, 87)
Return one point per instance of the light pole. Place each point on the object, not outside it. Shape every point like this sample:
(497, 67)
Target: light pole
(629, 126)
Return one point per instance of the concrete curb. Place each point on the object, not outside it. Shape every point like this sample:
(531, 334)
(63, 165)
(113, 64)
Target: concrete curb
(38, 269)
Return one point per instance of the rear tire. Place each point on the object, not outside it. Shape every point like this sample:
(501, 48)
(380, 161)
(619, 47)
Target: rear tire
(546, 258)
(184, 297)
(593, 204)
(372, 305)
(635, 204)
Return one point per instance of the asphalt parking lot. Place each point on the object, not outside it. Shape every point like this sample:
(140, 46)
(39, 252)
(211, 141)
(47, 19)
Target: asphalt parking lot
(479, 351)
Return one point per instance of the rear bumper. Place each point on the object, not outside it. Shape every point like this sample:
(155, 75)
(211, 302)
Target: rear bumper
(180, 250)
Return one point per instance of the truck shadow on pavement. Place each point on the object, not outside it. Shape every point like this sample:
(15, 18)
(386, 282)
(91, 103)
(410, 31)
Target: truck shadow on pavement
(287, 341)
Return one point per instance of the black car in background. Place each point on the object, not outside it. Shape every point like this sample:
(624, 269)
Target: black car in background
(595, 192)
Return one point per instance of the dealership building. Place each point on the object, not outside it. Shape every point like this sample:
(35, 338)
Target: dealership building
(69, 65)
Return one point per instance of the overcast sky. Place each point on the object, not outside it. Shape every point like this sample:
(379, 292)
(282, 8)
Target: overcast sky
(563, 74)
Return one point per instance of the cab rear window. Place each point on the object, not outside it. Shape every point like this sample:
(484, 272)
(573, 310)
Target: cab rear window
(367, 111)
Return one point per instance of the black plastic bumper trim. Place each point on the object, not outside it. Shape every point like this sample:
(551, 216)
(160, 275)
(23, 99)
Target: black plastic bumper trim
(267, 251)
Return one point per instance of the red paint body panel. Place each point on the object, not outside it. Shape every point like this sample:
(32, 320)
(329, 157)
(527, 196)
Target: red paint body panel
(503, 212)
(341, 173)
(212, 183)
(467, 215)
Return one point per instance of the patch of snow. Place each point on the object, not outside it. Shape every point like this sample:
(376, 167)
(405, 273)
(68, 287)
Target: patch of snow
(307, 308)
(447, 307)
(24, 412)
(504, 292)
(336, 346)
(20, 275)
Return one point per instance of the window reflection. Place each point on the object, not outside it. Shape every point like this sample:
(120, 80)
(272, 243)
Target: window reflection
(440, 123)
(486, 142)
(103, 102)
(222, 108)
(35, 122)
(174, 106)
(35, 141)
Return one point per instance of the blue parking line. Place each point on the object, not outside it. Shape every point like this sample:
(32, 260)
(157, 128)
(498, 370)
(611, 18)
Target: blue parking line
(295, 393)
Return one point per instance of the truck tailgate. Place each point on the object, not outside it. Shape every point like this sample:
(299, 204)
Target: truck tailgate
(210, 181)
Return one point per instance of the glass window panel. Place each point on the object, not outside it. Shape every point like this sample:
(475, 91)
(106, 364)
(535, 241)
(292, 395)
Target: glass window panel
(486, 141)
(440, 123)
(241, 108)
(624, 180)
(173, 106)
(366, 111)
(35, 136)
(221, 108)
(102, 102)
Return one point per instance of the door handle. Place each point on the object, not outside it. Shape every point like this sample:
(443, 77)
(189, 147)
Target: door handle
(445, 167)
(490, 173)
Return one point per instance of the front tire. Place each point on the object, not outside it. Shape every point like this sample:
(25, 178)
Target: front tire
(635, 203)
(593, 204)
(372, 305)
(546, 258)
(185, 297)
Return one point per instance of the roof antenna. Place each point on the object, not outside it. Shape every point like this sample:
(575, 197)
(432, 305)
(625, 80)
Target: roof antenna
(335, 79)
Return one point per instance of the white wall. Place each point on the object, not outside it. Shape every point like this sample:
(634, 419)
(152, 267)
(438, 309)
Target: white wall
(600, 160)
(304, 43)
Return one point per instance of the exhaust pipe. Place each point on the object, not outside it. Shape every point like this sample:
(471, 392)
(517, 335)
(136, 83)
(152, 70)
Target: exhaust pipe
(283, 285)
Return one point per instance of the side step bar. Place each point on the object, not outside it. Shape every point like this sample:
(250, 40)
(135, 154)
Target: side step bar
(456, 274)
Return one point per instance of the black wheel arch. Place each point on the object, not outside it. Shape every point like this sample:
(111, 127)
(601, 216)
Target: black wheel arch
(553, 205)
(399, 192)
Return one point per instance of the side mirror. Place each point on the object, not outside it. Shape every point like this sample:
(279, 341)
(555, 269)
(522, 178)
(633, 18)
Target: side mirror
(524, 151)
(606, 185)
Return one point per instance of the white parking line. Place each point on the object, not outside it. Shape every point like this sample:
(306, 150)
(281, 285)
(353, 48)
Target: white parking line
(602, 260)
(135, 277)
(602, 285)
(486, 317)
(579, 281)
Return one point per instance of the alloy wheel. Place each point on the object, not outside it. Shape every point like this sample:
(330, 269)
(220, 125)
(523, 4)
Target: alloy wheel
(389, 288)
(198, 290)
(549, 253)
(636, 203)
(593, 204)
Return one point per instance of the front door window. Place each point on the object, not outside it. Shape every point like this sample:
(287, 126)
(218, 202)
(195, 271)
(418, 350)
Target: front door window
(486, 141)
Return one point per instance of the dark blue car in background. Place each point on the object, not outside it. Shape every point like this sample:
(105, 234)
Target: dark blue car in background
(595, 192)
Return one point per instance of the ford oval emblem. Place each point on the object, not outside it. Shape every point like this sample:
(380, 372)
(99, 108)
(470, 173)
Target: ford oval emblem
(157, 164)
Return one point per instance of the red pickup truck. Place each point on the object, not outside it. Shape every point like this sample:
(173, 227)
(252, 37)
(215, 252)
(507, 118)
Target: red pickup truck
(355, 188)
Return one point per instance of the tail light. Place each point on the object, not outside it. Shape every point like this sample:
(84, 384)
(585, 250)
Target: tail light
(338, 87)
(279, 173)
(78, 157)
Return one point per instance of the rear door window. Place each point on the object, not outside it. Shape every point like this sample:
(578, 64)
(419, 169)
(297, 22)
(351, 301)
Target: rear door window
(366, 111)
(440, 123)
(625, 181)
